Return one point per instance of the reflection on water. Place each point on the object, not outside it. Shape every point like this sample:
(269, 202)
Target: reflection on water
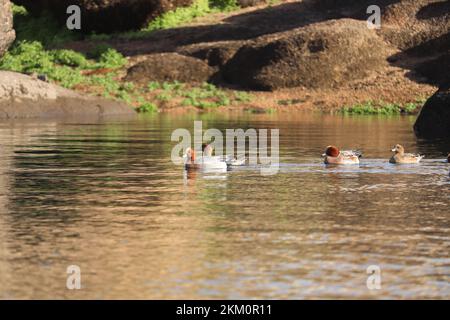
(106, 197)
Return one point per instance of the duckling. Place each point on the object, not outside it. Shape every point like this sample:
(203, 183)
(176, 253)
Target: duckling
(400, 157)
(333, 155)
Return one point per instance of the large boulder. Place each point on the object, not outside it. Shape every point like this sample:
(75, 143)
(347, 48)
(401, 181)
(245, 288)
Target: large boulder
(7, 34)
(326, 54)
(436, 70)
(107, 15)
(434, 118)
(23, 96)
(417, 26)
(170, 67)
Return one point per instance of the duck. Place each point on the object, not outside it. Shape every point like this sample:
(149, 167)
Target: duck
(400, 157)
(192, 163)
(333, 155)
(208, 161)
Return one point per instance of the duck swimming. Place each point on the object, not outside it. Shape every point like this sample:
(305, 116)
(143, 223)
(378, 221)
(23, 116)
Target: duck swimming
(400, 156)
(192, 163)
(208, 161)
(333, 155)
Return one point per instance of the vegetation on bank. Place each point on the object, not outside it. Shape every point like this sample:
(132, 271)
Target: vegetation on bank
(175, 18)
(382, 108)
(100, 71)
(35, 51)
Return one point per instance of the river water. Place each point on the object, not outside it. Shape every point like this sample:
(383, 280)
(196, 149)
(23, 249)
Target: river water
(105, 196)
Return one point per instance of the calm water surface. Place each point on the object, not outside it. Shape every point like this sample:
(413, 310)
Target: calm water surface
(106, 197)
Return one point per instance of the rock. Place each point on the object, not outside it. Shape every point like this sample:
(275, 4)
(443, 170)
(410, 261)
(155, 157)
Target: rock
(436, 70)
(170, 67)
(217, 54)
(434, 118)
(23, 96)
(107, 16)
(322, 55)
(410, 25)
(7, 34)
(250, 3)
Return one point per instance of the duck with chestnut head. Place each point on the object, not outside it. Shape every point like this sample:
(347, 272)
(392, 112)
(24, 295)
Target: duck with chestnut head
(400, 157)
(333, 155)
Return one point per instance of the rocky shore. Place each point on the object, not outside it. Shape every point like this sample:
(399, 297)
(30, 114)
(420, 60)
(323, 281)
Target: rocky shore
(23, 96)
(311, 54)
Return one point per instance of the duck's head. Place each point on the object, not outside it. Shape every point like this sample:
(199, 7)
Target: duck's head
(190, 154)
(398, 149)
(331, 151)
(207, 149)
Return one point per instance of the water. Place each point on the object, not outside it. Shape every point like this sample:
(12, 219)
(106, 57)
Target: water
(105, 196)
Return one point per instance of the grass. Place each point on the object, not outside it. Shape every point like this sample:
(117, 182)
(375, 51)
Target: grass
(381, 108)
(203, 96)
(147, 107)
(260, 110)
(290, 102)
(176, 18)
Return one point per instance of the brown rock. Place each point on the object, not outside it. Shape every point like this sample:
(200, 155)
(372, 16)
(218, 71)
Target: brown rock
(322, 55)
(22, 96)
(215, 55)
(434, 118)
(7, 34)
(170, 67)
(436, 70)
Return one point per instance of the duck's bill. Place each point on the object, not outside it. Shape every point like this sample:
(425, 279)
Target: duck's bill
(393, 150)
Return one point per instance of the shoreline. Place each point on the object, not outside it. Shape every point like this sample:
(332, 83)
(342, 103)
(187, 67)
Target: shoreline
(206, 64)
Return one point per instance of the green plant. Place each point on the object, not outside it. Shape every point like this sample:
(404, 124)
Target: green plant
(43, 28)
(289, 102)
(30, 57)
(180, 15)
(224, 5)
(153, 85)
(112, 59)
(127, 86)
(164, 97)
(98, 50)
(147, 108)
(18, 10)
(381, 108)
(260, 110)
(242, 96)
(69, 58)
